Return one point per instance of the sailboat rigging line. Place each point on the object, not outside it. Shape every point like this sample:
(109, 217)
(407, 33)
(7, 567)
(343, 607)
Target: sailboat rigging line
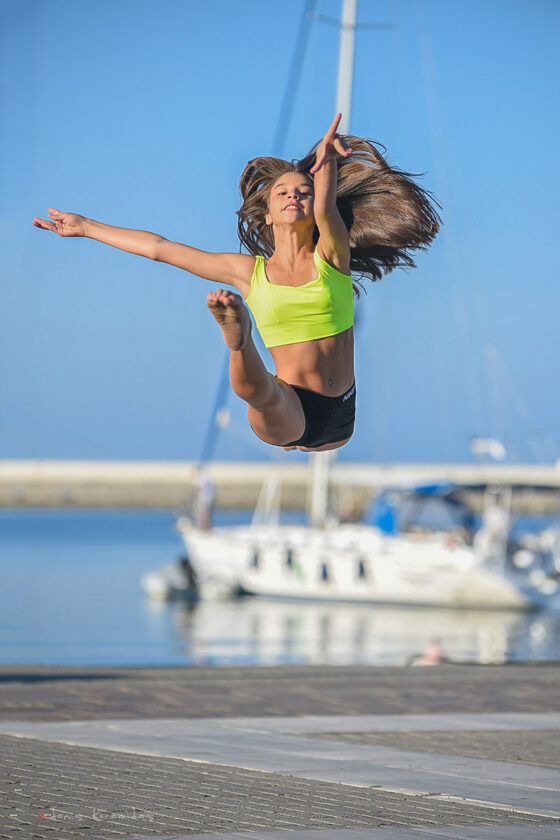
(505, 385)
(294, 75)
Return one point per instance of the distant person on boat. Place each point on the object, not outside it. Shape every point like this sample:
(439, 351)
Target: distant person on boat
(307, 225)
(204, 491)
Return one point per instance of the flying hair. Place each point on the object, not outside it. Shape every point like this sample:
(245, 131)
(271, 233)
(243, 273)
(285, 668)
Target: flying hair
(387, 214)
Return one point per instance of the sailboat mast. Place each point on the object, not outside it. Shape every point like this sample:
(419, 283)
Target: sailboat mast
(346, 63)
(320, 461)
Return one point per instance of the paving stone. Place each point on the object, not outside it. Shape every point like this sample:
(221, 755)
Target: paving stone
(62, 791)
(97, 793)
(251, 745)
(64, 693)
(451, 832)
(534, 746)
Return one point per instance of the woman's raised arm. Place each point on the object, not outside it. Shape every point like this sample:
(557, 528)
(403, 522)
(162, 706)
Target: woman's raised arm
(230, 269)
(333, 233)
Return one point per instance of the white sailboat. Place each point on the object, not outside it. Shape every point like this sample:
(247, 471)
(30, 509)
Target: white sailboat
(362, 563)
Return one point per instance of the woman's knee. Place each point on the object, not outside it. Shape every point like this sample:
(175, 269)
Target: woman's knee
(265, 396)
(279, 422)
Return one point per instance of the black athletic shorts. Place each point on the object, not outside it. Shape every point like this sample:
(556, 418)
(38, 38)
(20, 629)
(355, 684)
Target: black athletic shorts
(327, 419)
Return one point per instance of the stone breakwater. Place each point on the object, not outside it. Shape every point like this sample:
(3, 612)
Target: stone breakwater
(159, 485)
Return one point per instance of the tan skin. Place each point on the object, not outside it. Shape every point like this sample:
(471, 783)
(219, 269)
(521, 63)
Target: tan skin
(297, 205)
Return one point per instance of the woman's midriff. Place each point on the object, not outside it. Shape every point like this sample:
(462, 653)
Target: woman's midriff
(325, 365)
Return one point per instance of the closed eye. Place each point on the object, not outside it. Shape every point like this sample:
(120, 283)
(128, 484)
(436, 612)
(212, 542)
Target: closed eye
(303, 194)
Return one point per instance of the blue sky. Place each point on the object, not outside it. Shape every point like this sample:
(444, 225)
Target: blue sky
(143, 114)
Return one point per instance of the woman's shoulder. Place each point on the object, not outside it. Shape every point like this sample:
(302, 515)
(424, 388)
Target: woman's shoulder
(243, 269)
(331, 263)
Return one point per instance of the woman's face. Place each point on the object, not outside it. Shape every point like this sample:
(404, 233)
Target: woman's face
(291, 200)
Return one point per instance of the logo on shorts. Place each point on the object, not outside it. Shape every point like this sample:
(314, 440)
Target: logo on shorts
(349, 394)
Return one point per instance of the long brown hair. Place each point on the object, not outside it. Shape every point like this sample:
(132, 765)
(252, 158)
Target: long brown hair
(387, 214)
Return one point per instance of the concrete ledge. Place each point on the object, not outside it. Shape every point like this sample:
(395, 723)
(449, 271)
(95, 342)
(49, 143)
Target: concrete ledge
(167, 485)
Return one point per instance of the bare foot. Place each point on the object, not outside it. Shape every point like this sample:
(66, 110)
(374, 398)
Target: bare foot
(229, 311)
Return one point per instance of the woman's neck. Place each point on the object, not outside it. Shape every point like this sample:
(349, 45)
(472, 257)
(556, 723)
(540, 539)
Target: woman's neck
(290, 246)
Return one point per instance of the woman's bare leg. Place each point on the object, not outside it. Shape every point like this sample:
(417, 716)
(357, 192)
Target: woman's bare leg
(275, 412)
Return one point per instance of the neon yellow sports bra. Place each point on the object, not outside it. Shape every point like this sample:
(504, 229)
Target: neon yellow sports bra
(288, 314)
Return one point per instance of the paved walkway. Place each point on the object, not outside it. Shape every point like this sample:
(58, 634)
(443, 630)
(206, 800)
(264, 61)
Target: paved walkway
(321, 752)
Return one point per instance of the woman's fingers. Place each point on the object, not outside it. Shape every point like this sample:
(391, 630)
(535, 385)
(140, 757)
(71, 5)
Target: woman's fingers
(64, 224)
(333, 141)
(324, 152)
(42, 223)
(334, 125)
(45, 224)
(341, 147)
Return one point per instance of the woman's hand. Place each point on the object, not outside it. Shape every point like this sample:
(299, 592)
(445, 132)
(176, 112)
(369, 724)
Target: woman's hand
(330, 146)
(65, 224)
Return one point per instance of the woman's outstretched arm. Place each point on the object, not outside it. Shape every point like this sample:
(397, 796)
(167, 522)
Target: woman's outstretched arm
(333, 233)
(229, 269)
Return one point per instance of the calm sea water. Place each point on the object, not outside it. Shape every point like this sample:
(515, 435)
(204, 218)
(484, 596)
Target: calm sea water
(70, 594)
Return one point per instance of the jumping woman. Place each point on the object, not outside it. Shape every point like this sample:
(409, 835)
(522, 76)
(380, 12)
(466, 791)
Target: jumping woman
(307, 225)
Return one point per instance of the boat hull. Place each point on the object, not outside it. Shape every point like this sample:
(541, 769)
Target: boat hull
(352, 564)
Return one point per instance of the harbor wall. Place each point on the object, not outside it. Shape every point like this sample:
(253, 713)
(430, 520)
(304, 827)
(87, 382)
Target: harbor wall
(159, 485)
